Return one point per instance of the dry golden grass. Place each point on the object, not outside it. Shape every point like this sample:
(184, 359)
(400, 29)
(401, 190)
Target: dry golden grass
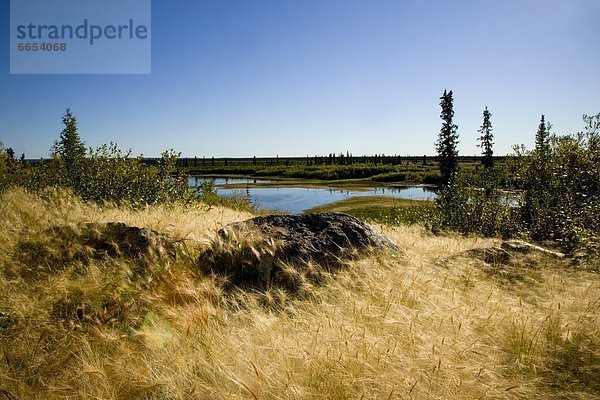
(387, 327)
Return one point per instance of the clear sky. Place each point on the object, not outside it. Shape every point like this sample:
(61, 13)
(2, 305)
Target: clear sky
(297, 77)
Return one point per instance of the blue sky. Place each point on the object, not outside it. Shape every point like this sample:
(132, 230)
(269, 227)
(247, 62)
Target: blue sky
(297, 77)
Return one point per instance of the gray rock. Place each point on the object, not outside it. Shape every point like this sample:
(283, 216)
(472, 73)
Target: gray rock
(520, 246)
(508, 252)
(290, 248)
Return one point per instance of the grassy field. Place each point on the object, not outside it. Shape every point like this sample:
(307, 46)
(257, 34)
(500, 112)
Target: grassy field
(421, 326)
(383, 210)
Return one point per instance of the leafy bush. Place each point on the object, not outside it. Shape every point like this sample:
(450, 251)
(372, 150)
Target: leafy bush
(105, 174)
(238, 201)
(467, 207)
(108, 175)
(561, 184)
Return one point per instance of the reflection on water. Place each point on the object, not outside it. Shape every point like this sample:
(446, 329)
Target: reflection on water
(299, 199)
(194, 181)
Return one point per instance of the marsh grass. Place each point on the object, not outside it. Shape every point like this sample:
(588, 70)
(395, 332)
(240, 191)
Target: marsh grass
(410, 327)
(384, 210)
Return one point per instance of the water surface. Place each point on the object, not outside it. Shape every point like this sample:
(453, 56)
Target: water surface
(299, 199)
(194, 180)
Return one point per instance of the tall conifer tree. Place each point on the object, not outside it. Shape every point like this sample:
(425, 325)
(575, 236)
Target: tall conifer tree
(447, 140)
(486, 139)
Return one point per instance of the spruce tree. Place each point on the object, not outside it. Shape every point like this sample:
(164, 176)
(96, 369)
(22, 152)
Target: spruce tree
(538, 198)
(447, 140)
(10, 153)
(486, 139)
(542, 138)
(70, 149)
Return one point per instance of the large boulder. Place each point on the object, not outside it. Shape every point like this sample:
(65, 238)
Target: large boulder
(286, 250)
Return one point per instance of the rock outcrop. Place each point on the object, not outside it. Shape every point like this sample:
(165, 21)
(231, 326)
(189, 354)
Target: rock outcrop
(285, 249)
(508, 251)
(513, 260)
(520, 246)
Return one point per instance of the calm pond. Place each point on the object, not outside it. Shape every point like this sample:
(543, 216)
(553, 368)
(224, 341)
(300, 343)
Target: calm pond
(299, 199)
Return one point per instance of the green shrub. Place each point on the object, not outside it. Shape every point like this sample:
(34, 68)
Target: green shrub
(113, 176)
(561, 198)
(108, 175)
(473, 203)
(104, 175)
(238, 201)
(560, 186)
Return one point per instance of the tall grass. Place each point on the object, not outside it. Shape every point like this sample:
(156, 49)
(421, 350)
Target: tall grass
(418, 326)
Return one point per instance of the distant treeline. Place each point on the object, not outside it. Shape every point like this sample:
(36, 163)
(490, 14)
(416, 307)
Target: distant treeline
(377, 168)
(331, 159)
(192, 162)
